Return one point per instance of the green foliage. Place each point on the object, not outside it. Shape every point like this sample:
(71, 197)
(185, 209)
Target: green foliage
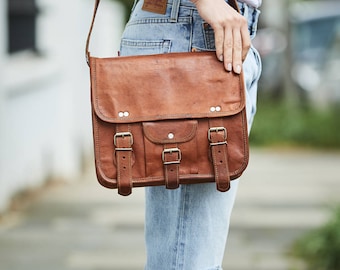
(320, 248)
(277, 123)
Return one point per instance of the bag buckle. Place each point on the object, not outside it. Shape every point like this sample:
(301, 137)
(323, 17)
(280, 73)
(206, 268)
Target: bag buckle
(217, 129)
(170, 151)
(123, 135)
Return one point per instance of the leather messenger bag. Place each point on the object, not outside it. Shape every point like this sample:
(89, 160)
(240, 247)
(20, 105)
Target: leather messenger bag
(168, 119)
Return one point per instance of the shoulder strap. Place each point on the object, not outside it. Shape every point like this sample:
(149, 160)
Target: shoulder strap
(87, 52)
(232, 3)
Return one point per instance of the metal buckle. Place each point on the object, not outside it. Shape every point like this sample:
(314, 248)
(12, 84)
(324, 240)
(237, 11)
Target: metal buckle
(217, 129)
(170, 151)
(122, 135)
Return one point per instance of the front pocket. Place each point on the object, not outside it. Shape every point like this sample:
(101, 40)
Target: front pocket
(209, 36)
(206, 41)
(173, 134)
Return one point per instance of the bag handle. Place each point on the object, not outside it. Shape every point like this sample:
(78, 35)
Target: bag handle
(87, 53)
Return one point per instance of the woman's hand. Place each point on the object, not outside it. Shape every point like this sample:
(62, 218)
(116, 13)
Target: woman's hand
(232, 38)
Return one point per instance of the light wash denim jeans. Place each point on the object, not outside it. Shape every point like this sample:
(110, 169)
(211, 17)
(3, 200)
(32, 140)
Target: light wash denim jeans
(187, 228)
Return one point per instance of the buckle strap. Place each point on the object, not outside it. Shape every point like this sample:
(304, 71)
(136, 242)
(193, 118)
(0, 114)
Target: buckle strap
(123, 150)
(171, 158)
(217, 136)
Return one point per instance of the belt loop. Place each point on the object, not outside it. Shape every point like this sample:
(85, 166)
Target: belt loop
(175, 10)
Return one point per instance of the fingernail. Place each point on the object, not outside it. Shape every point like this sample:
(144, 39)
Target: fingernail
(221, 58)
(238, 69)
(229, 67)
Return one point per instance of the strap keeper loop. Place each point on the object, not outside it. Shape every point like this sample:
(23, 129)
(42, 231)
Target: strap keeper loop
(218, 143)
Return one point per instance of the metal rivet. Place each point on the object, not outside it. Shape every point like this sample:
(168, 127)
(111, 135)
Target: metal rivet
(126, 114)
(218, 109)
(212, 109)
(121, 114)
(171, 136)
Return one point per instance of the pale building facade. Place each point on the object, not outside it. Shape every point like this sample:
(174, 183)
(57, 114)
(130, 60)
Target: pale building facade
(45, 117)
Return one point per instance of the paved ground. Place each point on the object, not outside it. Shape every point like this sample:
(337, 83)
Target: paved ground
(84, 226)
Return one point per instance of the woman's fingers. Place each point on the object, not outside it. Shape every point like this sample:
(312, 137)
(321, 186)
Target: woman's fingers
(232, 47)
(246, 42)
(237, 51)
(232, 40)
(236, 44)
(219, 40)
(228, 44)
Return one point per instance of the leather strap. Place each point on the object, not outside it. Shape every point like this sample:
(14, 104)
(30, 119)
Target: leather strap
(232, 3)
(87, 52)
(123, 141)
(217, 136)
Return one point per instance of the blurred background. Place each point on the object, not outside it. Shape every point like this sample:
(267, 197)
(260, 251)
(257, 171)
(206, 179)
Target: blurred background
(45, 116)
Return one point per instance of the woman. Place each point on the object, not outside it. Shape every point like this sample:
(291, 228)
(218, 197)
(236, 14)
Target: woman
(187, 228)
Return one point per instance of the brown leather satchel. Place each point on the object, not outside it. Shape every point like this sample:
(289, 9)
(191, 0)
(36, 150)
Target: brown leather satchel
(168, 119)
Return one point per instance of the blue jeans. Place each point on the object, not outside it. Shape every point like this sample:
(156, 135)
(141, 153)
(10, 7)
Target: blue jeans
(187, 228)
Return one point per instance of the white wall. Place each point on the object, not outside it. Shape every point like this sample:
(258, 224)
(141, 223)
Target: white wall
(45, 117)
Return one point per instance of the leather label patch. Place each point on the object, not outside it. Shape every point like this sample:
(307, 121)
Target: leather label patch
(156, 6)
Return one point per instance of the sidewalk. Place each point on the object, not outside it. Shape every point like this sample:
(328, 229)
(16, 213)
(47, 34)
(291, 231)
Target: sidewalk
(85, 226)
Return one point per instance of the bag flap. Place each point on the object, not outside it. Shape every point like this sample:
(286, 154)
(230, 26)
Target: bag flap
(167, 86)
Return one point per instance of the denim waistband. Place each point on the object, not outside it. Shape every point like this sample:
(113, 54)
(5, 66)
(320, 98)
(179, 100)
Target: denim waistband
(249, 12)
